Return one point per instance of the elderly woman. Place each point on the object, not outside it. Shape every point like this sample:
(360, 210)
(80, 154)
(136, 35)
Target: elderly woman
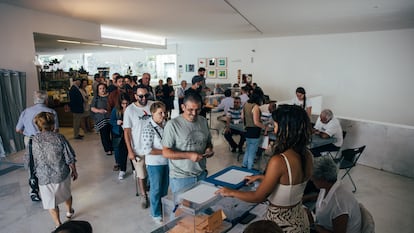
(287, 172)
(54, 163)
(157, 165)
(337, 210)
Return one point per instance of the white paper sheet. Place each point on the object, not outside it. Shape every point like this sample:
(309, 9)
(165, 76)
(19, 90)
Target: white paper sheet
(233, 176)
(199, 194)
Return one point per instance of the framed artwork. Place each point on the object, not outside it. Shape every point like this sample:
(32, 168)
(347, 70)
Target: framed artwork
(222, 62)
(189, 68)
(202, 62)
(211, 74)
(247, 78)
(211, 62)
(222, 73)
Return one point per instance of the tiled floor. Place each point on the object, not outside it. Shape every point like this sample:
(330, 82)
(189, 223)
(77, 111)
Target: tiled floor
(111, 206)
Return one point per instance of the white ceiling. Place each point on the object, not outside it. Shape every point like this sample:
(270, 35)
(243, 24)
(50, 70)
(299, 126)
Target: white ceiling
(198, 20)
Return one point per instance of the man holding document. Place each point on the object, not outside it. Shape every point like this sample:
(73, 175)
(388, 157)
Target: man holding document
(187, 143)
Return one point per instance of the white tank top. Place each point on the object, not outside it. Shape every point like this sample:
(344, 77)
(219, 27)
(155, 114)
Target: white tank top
(287, 195)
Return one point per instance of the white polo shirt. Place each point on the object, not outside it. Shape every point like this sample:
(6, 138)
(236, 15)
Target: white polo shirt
(338, 201)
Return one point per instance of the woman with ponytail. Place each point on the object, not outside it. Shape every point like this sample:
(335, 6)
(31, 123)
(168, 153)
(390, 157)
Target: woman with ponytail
(302, 101)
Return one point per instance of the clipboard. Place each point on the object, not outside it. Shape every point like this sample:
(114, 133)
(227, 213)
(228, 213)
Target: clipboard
(231, 177)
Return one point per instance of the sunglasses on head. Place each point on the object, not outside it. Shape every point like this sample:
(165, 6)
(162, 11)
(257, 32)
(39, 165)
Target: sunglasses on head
(142, 96)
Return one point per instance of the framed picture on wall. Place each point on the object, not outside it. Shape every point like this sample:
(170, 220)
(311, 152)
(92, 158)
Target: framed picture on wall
(211, 62)
(211, 73)
(189, 68)
(222, 62)
(202, 62)
(222, 73)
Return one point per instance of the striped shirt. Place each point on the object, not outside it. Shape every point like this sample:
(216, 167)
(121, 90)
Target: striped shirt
(234, 114)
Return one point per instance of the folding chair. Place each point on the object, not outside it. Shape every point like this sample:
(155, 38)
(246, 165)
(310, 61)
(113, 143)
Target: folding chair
(348, 161)
(331, 153)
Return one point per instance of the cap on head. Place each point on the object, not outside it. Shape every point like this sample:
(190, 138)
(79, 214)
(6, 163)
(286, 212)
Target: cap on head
(197, 79)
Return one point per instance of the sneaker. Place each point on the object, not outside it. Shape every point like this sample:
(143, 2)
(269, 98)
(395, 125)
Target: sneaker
(35, 197)
(157, 220)
(144, 201)
(70, 214)
(121, 175)
(116, 167)
(78, 137)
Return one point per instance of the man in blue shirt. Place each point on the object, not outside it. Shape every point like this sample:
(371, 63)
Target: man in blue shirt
(27, 127)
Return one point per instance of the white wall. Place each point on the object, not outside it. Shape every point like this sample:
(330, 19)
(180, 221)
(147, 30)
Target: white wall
(365, 78)
(16, 38)
(361, 75)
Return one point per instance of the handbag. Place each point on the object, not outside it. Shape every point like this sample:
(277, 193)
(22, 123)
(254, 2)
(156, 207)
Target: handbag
(33, 180)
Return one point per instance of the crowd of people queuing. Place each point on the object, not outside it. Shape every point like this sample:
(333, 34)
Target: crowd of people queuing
(134, 122)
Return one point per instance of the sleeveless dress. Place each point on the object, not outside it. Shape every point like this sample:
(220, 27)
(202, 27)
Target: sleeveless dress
(291, 220)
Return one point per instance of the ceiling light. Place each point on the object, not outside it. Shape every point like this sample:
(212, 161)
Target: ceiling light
(118, 34)
(69, 41)
(110, 45)
(127, 47)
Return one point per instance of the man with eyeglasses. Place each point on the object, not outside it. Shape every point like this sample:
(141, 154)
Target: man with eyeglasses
(187, 144)
(146, 82)
(136, 116)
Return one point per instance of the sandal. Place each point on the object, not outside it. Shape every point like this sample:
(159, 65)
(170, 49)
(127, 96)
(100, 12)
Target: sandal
(70, 214)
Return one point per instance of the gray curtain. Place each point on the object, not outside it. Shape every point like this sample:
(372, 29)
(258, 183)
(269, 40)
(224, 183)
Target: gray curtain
(12, 103)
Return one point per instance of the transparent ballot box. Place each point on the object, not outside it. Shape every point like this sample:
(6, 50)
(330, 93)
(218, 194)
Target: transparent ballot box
(189, 211)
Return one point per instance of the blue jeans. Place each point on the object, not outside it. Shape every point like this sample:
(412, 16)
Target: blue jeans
(251, 148)
(159, 179)
(120, 151)
(178, 184)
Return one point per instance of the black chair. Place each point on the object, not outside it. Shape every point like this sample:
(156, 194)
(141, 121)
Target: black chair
(348, 160)
(333, 155)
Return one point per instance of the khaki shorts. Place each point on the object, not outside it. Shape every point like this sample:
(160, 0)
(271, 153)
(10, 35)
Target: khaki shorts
(140, 170)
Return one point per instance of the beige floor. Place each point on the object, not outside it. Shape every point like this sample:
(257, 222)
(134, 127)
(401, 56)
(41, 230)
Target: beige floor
(110, 205)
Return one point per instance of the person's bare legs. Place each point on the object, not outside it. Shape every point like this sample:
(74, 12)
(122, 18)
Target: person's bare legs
(55, 216)
(68, 204)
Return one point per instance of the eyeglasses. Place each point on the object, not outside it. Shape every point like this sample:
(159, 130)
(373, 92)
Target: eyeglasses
(142, 96)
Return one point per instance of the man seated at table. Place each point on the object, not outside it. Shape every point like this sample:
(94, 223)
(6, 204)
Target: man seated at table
(234, 117)
(327, 126)
(267, 110)
(226, 103)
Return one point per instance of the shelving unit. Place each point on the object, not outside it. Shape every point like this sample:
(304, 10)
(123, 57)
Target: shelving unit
(57, 85)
